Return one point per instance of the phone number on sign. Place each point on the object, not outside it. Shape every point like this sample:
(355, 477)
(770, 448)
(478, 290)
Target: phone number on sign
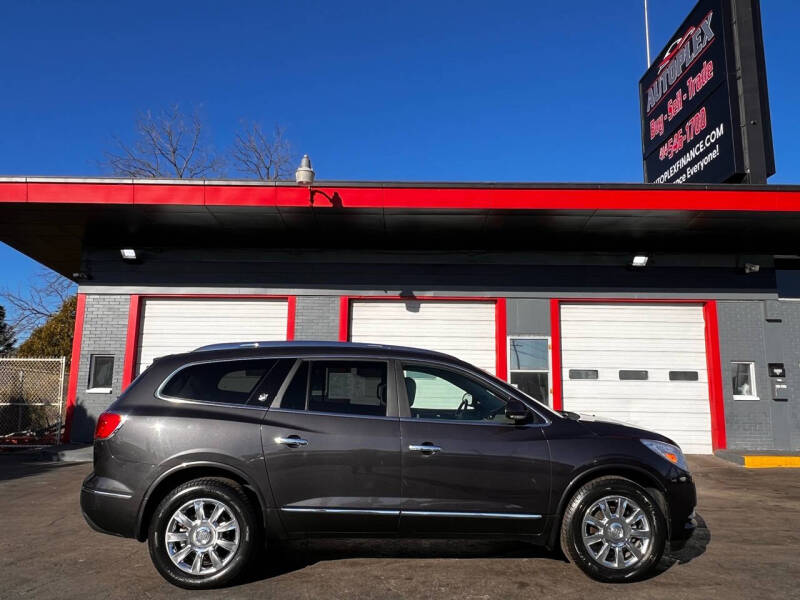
(696, 123)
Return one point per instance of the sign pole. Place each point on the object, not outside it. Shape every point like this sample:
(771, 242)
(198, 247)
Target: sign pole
(751, 82)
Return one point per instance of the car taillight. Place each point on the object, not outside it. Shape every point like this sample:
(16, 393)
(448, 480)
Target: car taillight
(107, 423)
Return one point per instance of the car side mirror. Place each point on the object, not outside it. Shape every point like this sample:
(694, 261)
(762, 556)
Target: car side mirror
(516, 411)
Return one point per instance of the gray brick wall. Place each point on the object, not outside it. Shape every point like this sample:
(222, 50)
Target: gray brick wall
(742, 337)
(783, 345)
(317, 318)
(761, 332)
(104, 331)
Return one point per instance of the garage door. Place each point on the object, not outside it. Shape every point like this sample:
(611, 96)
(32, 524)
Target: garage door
(641, 364)
(464, 329)
(169, 326)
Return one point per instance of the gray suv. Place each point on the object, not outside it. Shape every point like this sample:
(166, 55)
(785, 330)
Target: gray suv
(210, 455)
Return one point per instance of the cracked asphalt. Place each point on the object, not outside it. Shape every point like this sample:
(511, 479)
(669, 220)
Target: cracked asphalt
(749, 548)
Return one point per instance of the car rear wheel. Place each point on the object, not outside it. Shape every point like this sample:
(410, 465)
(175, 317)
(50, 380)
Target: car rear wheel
(202, 534)
(614, 530)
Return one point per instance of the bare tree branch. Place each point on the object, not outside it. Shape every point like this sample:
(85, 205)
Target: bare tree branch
(32, 306)
(266, 157)
(169, 144)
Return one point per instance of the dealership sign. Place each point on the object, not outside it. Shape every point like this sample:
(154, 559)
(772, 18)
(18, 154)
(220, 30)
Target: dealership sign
(691, 101)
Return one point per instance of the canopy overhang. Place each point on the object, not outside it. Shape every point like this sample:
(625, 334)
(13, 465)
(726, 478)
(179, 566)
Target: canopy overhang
(54, 219)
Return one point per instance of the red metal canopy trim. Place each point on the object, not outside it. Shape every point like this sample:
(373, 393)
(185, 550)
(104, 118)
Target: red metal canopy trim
(405, 196)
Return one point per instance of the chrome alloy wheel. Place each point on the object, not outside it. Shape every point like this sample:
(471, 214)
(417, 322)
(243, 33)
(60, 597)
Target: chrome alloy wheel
(616, 532)
(202, 536)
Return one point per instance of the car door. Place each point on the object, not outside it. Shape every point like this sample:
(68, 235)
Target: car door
(466, 467)
(212, 414)
(332, 447)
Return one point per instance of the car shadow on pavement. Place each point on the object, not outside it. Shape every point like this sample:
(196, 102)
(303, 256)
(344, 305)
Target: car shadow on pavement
(286, 557)
(13, 467)
(681, 554)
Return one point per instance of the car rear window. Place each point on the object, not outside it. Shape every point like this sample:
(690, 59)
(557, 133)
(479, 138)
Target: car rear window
(229, 382)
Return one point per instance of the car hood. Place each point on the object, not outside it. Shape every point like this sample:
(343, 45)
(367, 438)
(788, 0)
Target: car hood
(605, 427)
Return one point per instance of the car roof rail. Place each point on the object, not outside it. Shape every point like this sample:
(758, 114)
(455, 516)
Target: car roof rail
(235, 345)
(296, 344)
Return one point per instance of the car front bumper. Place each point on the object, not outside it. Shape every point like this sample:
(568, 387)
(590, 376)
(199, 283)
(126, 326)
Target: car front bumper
(682, 500)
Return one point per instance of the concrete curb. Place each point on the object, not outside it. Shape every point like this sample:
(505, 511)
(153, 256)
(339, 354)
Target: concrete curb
(760, 459)
(772, 462)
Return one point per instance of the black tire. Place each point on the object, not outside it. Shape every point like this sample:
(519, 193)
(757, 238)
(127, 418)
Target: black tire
(572, 530)
(234, 498)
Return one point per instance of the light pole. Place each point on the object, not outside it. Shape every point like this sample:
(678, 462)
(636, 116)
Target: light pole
(647, 33)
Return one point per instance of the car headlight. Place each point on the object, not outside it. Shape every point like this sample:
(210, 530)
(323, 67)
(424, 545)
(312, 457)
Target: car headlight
(672, 453)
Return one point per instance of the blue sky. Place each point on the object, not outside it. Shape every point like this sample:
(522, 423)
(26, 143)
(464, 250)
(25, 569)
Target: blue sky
(433, 90)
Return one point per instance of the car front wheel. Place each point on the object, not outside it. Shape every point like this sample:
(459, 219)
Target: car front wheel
(614, 530)
(202, 534)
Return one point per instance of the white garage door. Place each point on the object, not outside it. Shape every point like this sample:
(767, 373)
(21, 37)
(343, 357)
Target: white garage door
(464, 329)
(169, 326)
(644, 364)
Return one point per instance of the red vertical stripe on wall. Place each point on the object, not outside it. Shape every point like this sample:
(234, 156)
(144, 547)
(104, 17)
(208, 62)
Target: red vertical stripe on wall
(131, 341)
(501, 342)
(555, 352)
(344, 318)
(719, 440)
(74, 365)
(290, 321)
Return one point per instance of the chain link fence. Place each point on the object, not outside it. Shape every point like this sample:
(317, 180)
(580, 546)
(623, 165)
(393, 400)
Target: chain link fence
(32, 392)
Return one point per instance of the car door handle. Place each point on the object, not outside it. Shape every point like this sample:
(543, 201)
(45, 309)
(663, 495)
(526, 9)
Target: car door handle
(292, 441)
(425, 448)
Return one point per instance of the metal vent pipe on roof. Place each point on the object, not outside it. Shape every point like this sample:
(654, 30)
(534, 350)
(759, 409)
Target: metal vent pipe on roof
(305, 173)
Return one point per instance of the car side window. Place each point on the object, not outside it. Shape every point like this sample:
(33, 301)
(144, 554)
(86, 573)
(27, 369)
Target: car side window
(338, 386)
(436, 393)
(294, 398)
(228, 382)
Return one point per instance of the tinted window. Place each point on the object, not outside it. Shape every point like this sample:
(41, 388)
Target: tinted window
(583, 373)
(294, 398)
(633, 375)
(268, 389)
(357, 388)
(230, 382)
(338, 386)
(435, 393)
(683, 376)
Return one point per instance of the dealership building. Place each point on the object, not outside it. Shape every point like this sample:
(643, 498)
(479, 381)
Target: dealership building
(672, 308)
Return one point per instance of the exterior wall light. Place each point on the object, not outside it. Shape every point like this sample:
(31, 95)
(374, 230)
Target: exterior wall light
(751, 268)
(305, 173)
(640, 260)
(128, 254)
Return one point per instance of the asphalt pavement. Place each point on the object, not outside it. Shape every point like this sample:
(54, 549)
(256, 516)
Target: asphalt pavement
(748, 548)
